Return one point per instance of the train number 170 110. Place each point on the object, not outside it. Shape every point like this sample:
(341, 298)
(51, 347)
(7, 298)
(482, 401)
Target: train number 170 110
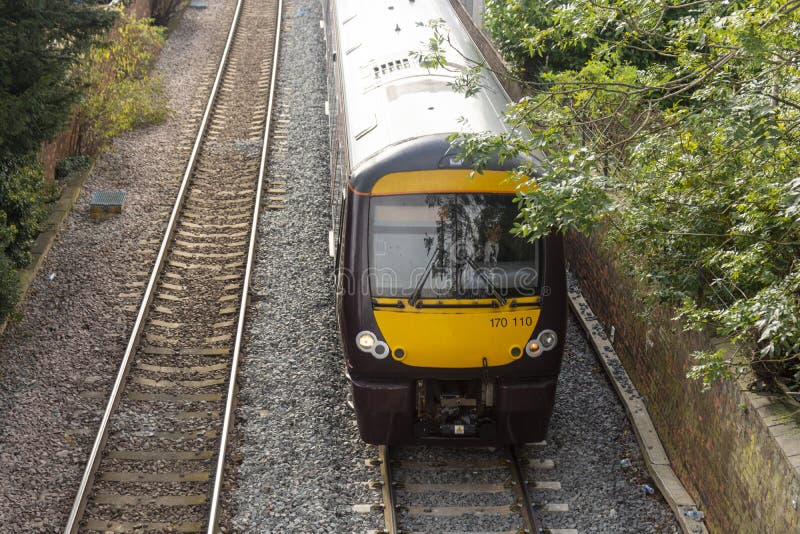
(503, 322)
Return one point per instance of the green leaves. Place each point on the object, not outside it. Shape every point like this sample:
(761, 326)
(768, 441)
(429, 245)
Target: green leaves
(120, 91)
(22, 209)
(434, 55)
(710, 367)
(563, 202)
(22, 212)
(39, 44)
(468, 81)
(677, 125)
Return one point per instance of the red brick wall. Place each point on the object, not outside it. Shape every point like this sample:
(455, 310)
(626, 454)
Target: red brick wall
(140, 8)
(63, 145)
(721, 449)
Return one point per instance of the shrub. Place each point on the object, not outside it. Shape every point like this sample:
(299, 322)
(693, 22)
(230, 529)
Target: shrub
(22, 208)
(9, 291)
(40, 42)
(121, 93)
(71, 164)
(22, 211)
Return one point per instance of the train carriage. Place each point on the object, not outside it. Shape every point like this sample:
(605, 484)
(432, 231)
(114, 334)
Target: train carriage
(452, 328)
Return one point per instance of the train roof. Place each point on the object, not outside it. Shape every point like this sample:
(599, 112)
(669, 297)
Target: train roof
(388, 96)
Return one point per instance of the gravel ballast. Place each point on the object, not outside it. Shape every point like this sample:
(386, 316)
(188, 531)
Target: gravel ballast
(303, 464)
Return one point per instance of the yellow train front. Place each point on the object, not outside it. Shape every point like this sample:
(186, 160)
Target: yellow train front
(452, 328)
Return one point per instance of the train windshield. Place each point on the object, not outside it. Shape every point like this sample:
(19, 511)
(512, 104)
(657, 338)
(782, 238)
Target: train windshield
(449, 246)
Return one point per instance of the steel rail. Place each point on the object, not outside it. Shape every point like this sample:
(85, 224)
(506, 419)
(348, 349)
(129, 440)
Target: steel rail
(93, 463)
(262, 170)
(521, 488)
(389, 508)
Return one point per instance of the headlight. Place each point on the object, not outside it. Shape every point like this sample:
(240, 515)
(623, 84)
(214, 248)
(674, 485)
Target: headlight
(548, 339)
(380, 350)
(533, 348)
(366, 340)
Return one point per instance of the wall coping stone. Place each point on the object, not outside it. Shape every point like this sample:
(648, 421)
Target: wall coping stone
(779, 416)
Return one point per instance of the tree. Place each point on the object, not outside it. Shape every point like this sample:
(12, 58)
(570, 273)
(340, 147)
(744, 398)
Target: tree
(678, 131)
(22, 209)
(39, 44)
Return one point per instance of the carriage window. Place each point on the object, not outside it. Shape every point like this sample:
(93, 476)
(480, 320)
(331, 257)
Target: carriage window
(449, 246)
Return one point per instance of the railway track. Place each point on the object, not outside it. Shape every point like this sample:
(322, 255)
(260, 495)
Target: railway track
(461, 491)
(158, 459)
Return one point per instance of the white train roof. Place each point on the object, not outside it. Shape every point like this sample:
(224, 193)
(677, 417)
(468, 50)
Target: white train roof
(388, 97)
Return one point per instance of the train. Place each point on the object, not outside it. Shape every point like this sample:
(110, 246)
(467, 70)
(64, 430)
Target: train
(452, 328)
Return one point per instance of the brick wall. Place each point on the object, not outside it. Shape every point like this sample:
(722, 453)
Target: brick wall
(63, 145)
(141, 8)
(719, 445)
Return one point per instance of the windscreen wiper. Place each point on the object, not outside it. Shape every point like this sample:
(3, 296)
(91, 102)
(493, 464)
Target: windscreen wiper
(412, 300)
(493, 288)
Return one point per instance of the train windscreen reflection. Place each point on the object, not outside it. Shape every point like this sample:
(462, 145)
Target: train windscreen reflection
(449, 246)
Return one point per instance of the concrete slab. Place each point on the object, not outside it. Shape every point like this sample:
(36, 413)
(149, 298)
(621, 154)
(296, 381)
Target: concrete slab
(43, 242)
(757, 401)
(795, 461)
(673, 485)
(789, 443)
(784, 430)
(777, 413)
